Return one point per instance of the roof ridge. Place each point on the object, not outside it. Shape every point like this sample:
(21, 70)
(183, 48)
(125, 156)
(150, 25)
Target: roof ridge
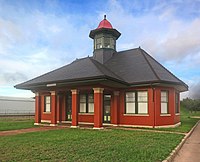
(165, 68)
(149, 64)
(128, 50)
(92, 60)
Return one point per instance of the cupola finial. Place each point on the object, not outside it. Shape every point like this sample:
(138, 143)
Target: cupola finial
(104, 17)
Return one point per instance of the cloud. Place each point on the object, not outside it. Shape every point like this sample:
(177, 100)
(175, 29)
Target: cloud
(195, 90)
(38, 37)
(10, 78)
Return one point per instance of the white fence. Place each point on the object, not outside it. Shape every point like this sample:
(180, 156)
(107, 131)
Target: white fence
(17, 106)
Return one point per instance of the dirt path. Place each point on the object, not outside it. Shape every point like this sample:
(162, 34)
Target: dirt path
(19, 131)
(190, 151)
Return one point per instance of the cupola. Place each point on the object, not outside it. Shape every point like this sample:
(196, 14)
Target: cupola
(104, 37)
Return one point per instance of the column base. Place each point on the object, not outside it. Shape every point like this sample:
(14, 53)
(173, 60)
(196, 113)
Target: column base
(36, 123)
(74, 126)
(98, 128)
(53, 125)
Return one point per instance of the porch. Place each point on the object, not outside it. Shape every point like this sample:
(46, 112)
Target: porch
(94, 107)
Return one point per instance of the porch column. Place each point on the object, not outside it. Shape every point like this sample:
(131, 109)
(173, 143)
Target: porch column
(115, 108)
(98, 108)
(53, 109)
(37, 109)
(74, 108)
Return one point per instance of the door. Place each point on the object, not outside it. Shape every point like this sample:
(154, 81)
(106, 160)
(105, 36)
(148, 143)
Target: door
(69, 107)
(106, 108)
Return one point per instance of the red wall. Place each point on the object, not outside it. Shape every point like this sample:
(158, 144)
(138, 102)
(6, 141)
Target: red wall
(86, 118)
(164, 120)
(118, 106)
(137, 119)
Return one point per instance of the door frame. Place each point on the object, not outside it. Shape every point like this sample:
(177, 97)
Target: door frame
(108, 121)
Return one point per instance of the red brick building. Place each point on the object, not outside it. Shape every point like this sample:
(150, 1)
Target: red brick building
(127, 88)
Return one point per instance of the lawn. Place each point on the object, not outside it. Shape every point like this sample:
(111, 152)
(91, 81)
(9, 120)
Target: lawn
(88, 145)
(187, 122)
(14, 123)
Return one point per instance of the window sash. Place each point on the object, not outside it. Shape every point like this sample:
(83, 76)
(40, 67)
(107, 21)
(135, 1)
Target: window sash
(164, 102)
(90, 103)
(86, 103)
(136, 102)
(47, 104)
(177, 103)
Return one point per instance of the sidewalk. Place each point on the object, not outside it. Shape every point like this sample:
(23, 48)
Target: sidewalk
(190, 151)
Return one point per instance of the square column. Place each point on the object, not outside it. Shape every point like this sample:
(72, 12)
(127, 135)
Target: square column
(74, 108)
(53, 109)
(98, 108)
(37, 109)
(115, 108)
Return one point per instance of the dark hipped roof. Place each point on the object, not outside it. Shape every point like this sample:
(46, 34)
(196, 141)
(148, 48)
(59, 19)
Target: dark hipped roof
(136, 66)
(128, 67)
(80, 69)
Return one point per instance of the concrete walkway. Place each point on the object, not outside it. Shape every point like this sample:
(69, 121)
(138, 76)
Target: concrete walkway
(190, 151)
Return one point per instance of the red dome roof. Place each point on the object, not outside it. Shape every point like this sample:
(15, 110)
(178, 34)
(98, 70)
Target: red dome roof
(105, 24)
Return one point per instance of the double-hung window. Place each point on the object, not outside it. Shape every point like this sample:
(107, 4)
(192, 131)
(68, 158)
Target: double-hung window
(47, 103)
(91, 103)
(142, 98)
(86, 103)
(130, 102)
(177, 103)
(82, 103)
(136, 102)
(164, 102)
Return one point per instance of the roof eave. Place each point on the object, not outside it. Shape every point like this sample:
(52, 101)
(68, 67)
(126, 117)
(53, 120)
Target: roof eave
(69, 82)
(182, 86)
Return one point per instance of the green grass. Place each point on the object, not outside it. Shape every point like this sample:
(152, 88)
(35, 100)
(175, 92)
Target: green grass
(88, 145)
(187, 122)
(14, 123)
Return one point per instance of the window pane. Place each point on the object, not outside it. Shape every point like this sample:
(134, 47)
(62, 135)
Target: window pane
(91, 107)
(83, 107)
(164, 96)
(143, 108)
(143, 96)
(177, 102)
(47, 99)
(130, 97)
(164, 109)
(91, 98)
(130, 107)
(48, 108)
(83, 98)
(47, 104)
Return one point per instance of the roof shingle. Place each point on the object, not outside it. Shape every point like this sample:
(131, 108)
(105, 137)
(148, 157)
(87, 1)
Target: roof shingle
(133, 66)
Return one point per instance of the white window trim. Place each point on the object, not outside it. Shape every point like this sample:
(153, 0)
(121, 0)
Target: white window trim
(86, 113)
(136, 114)
(165, 114)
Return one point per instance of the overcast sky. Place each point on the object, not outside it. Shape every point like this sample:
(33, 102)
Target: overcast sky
(38, 36)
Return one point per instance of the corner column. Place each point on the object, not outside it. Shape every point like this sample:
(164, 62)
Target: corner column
(115, 108)
(98, 108)
(74, 108)
(53, 109)
(37, 109)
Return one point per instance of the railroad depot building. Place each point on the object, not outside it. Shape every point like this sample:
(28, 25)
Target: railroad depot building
(126, 88)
